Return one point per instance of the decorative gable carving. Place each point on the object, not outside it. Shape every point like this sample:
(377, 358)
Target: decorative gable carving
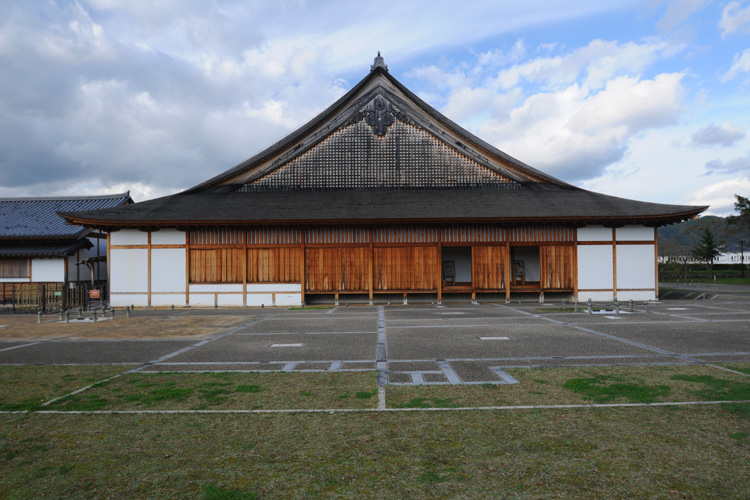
(379, 115)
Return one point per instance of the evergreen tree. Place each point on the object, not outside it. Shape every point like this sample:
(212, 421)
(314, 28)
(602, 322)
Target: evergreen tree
(742, 205)
(707, 249)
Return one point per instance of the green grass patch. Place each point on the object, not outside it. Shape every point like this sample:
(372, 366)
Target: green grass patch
(715, 388)
(742, 368)
(590, 453)
(198, 391)
(211, 492)
(608, 388)
(575, 385)
(27, 387)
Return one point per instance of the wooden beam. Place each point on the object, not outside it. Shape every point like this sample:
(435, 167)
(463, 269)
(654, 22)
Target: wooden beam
(508, 268)
(439, 271)
(244, 274)
(303, 257)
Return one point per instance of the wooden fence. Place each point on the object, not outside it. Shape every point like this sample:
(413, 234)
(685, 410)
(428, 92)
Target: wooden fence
(47, 297)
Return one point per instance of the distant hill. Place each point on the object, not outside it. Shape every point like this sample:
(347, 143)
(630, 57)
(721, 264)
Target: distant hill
(686, 234)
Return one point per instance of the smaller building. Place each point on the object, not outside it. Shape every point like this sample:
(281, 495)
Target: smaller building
(38, 246)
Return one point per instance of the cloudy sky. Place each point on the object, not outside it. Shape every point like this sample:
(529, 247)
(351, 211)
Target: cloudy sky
(643, 99)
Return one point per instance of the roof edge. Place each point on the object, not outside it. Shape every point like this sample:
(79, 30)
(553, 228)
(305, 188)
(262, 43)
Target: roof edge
(126, 194)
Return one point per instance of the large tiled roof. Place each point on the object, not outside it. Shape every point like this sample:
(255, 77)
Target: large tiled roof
(36, 218)
(534, 203)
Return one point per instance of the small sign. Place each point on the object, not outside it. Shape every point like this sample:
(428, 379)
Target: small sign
(95, 294)
(58, 294)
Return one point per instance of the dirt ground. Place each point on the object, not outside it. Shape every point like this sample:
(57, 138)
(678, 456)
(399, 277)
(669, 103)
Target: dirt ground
(25, 327)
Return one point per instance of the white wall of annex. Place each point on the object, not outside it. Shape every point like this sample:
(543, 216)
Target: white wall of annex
(128, 237)
(124, 300)
(635, 233)
(167, 270)
(129, 270)
(172, 299)
(635, 267)
(583, 296)
(594, 233)
(168, 237)
(47, 270)
(595, 267)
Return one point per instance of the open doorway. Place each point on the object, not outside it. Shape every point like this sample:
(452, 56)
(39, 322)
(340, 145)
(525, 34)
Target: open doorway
(456, 265)
(525, 266)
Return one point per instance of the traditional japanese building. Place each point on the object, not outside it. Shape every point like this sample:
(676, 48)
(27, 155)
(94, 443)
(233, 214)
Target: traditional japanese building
(381, 198)
(38, 247)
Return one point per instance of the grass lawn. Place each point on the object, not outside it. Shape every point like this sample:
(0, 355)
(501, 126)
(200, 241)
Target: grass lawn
(656, 452)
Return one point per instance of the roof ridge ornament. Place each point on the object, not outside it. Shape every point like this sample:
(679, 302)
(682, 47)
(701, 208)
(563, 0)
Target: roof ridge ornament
(379, 63)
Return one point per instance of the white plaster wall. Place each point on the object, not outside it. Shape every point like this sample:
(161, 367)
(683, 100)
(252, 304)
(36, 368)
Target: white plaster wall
(635, 233)
(210, 288)
(640, 295)
(595, 296)
(462, 259)
(14, 280)
(125, 299)
(175, 299)
(202, 300)
(168, 237)
(282, 287)
(288, 299)
(595, 267)
(230, 299)
(129, 270)
(256, 300)
(635, 267)
(530, 258)
(47, 270)
(167, 270)
(128, 237)
(594, 233)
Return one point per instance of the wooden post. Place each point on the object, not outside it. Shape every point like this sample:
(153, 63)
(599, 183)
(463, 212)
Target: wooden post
(508, 269)
(656, 262)
(109, 268)
(371, 260)
(614, 263)
(439, 266)
(244, 272)
(575, 263)
(303, 267)
(148, 245)
(187, 267)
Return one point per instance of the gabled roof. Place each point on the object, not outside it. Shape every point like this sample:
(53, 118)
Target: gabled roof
(380, 153)
(36, 218)
(377, 103)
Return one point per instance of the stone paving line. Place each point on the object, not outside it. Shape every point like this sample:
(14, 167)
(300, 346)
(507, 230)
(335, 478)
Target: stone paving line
(386, 410)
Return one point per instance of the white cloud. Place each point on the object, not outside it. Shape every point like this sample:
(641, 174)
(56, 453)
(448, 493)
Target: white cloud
(721, 195)
(678, 11)
(735, 19)
(740, 64)
(600, 60)
(575, 133)
(722, 135)
(733, 166)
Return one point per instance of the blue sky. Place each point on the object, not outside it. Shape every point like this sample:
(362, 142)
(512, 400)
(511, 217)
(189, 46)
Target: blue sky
(640, 99)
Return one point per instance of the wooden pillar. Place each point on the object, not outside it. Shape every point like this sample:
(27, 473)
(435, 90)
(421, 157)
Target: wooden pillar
(303, 267)
(109, 268)
(439, 268)
(187, 268)
(656, 262)
(508, 268)
(575, 263)
(614, 263)
(148, 245)
(371, 261)
(244, 271)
